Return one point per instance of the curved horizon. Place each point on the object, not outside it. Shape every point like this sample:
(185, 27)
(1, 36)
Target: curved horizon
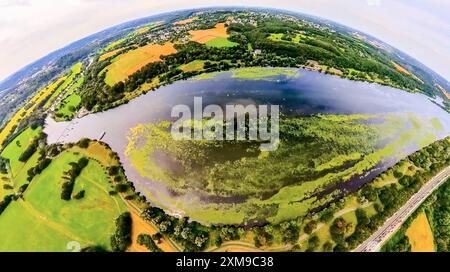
(193, 8)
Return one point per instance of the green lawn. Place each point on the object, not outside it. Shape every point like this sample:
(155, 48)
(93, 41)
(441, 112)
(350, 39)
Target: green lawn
(221, 42)
(279, 38)
(44, 222)
(14, 149)
(69, 105)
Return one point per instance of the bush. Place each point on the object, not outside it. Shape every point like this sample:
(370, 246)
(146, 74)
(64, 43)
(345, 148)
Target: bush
(7, 187)
(73, 173)
(313, 242)
(146, 240)
(31, 149)
(66, 190)
(121, 187)
(83, 143)
(80, 194)
(310, 226)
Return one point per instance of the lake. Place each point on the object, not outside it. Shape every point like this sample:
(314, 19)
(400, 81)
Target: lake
(309, 93)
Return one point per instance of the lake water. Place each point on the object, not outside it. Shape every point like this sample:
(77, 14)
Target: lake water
(310, 93)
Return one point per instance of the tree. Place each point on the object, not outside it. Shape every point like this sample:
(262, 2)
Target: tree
(313, 242)
(338, 229)
(310, 226)
(83, 143)
(121, 239)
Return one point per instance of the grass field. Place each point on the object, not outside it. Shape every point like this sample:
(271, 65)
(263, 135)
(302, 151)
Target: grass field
(14, 149)
(17, 175)
(196, 65)
(130, 62)
(70, 104)
(221, 42)
(44, 222)
(278, 37)
(420, 235)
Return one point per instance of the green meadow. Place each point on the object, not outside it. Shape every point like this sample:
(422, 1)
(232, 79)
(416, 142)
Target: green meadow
(41, 221)
(221, 42)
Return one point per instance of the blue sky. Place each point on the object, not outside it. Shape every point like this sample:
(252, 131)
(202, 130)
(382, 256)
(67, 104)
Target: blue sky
(30, 29)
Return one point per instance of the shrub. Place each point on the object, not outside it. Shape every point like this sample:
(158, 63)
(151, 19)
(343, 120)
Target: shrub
(83, 143)
(80, 194)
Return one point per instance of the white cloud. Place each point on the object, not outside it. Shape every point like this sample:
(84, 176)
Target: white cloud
(31, 29)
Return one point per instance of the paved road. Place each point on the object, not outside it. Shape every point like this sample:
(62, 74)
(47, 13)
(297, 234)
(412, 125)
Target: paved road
(377, 239)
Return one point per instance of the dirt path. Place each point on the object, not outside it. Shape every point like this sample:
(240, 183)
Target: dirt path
(140, 226)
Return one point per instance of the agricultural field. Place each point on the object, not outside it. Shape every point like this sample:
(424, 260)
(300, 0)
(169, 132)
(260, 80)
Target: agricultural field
(185, 21)
(109, 54)
(56, 222)
(420, 234)
(214, 37)
(114, 44)
(130, 62)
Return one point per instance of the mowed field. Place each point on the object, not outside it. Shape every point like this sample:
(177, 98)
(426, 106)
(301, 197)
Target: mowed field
(130, 62)
(420, 234)
(43, 222)
(17, 174)
(14, 149)
(215, 37)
